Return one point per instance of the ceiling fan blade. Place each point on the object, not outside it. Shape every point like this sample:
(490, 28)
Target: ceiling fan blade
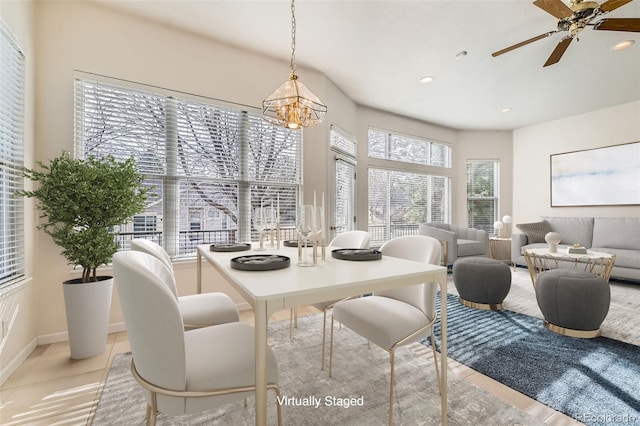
(619, 24)
(555, 7)
(558, 51)
(522, 43)
(610, 5)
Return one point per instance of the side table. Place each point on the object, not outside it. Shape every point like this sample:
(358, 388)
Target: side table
(500, 249)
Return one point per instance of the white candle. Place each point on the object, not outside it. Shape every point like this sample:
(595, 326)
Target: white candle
(278, 208)
(322, 217)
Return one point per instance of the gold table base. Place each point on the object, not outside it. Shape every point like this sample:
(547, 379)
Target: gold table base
(597, 263)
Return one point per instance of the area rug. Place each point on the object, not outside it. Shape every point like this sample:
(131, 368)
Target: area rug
(359, 373)
(595, 381)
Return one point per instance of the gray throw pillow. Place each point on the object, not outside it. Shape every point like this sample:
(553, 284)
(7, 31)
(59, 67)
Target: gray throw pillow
(536, 231)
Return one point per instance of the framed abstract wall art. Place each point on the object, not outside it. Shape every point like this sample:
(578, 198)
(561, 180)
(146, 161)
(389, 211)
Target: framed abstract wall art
(608, 176)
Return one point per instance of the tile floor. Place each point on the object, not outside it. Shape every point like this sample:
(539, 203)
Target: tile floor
(51, 389)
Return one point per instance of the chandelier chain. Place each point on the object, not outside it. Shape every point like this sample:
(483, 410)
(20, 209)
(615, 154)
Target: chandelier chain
(293, 37)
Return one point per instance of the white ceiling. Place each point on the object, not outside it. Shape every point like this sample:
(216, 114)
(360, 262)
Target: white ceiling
(376, 51)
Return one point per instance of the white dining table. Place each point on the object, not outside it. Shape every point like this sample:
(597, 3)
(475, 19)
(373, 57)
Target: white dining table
(330, 279)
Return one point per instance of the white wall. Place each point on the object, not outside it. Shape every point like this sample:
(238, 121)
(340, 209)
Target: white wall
(19, 302)
(533, 145)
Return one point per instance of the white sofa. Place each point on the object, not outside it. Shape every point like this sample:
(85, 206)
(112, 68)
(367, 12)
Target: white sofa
(617, 235)
(461, 241)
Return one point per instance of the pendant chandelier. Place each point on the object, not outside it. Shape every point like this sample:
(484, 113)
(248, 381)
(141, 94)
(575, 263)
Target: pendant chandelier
(292, 104)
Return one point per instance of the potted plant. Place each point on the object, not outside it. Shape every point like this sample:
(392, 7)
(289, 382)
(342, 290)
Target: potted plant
(80, 202)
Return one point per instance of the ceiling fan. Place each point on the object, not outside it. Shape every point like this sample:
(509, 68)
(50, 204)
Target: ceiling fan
(576, 18)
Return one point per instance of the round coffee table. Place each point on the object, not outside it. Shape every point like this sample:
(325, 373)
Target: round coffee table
(595, 262)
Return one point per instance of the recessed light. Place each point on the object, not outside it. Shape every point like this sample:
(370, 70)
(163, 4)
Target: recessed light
(426, 79)
(461, 54)
(505, 110)
(623, 45)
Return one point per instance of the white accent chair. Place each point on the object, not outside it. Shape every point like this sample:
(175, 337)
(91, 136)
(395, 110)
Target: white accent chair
(349, 239)
(198, 310)
(395, 317)
(180, 371)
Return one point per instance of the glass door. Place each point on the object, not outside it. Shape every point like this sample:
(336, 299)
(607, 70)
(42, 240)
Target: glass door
(343, 196)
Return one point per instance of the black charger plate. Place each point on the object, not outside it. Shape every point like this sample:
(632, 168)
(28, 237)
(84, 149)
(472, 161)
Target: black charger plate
(356, 254)
(230, 247)
(260, 262)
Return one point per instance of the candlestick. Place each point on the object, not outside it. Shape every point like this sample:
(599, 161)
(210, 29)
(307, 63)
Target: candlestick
(322, 222)
(278, 220)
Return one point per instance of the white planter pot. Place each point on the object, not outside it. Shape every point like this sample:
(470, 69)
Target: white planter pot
(88, 306)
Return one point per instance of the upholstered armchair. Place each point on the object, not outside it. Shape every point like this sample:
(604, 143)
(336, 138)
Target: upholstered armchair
(458, 241)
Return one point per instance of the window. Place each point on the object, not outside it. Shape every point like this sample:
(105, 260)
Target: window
(144, 224)
(482, 193)
(11, 159)
(399, 200)
(208, 164)
(408, 149)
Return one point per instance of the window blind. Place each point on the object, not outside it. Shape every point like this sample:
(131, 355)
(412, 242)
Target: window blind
(209, 165)
(11, 159)
(482, 193)
(408, 149)
(399, 201)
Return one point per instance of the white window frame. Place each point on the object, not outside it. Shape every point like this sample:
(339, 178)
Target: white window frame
(492, 198)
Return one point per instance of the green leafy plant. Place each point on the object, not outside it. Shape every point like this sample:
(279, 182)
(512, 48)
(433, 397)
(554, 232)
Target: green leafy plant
(81, 201)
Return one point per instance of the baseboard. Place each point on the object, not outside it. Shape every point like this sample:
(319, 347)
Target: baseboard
(17, 361)
(47, 339)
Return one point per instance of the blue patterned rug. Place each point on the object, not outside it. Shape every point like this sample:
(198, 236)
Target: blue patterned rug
(595, 381)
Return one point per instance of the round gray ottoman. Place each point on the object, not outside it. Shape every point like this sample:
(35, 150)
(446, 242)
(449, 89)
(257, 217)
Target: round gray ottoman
(574, 303)
(482, 283)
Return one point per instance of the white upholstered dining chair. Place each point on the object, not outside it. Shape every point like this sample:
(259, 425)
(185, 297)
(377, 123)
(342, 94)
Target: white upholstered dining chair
(349, 239)
(180, 371)
(395, 317)
(198, 310)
